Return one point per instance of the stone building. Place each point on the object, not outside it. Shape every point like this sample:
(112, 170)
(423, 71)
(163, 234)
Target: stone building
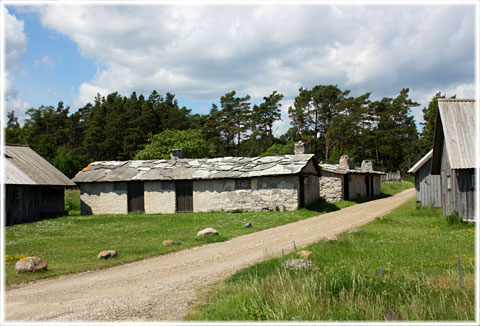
(345, 182)
(199, 185)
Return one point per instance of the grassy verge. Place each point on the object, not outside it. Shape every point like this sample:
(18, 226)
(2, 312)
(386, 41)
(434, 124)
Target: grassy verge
(71, 243)
(416, 250)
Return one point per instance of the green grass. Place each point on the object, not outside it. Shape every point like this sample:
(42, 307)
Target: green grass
(71, 243)
(392, 188)
(416, 249)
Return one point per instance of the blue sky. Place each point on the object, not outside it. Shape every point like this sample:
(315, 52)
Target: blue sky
(69, 52)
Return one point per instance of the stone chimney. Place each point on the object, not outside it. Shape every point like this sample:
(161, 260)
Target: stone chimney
(346, 162)
(367, 165)
(175, 154)
(300, 148)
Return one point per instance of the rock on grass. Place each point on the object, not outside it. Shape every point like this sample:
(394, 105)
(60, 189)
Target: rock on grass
(107, 254)
(30, 264)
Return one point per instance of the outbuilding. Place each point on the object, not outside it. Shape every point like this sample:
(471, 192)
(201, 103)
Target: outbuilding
(454, 156)
(427, 185)
(346, 182)
(34, 188)
(199, 185)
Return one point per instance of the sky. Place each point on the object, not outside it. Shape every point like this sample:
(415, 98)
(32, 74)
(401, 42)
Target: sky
(199, 51)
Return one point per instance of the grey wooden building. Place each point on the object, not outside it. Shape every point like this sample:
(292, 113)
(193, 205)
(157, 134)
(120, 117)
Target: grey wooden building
(454, 156)
(199, 185)
(33, 187)
(427, 185)
(346, 182)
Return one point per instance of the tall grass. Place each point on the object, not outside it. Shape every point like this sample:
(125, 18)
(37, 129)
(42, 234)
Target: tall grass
(416, 250)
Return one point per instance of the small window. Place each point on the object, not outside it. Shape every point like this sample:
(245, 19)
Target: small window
(120, 186)
(243, 184)
(18, 194)
(449, 182)
(168, 185)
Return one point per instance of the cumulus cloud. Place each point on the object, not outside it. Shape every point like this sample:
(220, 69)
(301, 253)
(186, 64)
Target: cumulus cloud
(15, 46)
(202, 52)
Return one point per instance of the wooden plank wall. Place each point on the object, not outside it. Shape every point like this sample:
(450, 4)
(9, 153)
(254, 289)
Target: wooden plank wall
(428, 186)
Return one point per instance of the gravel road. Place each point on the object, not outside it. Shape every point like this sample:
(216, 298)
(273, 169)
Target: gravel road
(160, 288)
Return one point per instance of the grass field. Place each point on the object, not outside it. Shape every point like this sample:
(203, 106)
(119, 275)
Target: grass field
(71, 243)
(406, 262)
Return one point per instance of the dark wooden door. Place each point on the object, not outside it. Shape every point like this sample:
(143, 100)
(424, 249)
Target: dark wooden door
(184, 194)
(372, 193)
(135, 197)
(301, 192)
(367, 185)
(346, 187)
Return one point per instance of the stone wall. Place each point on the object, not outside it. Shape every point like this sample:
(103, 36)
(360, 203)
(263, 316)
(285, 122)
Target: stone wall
(265, 193)
(103, 198)
(330, 185)
(159, 197)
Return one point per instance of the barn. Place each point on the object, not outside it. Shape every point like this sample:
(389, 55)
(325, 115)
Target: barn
(199, 185)
(454, 156)
(427, 185)
(345, 182)
(34, 188)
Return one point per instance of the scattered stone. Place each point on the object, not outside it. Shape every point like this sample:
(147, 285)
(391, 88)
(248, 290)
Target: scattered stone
(107, 254)
(170, 242)
(247, 225)
(207, 231)
(356, 231)
(30, 264)
(298, 264)
(391, 315)
(304, 254)
(334, 238)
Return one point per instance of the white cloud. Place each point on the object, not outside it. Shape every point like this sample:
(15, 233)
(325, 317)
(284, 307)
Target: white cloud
(46, 61)
(15, 46)
(202, 52)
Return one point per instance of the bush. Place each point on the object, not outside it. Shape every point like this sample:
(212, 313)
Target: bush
(454, 219)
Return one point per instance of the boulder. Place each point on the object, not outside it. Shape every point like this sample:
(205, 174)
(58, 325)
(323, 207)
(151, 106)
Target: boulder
(107, 254)
(30, 264)
(247, 225)
(356, 231)
(304, 254)
(391, 315)
(297, 264)
(207, 231)
(334, 238)
(170, 242)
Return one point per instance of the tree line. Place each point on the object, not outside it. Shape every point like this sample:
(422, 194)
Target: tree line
(329, 120)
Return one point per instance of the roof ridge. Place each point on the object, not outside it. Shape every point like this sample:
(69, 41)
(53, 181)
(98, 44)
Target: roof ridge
(17, 145)
(456, 100)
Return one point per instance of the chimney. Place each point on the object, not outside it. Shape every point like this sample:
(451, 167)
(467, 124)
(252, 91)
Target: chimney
(300, 148)
(175, 154)
(346, 162)
(367, 165)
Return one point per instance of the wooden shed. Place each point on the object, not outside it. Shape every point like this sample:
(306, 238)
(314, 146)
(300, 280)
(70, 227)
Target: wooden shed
(426, 184)
(34, 188)
(454, 156)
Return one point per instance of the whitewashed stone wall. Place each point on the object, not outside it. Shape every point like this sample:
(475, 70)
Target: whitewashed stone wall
(159, 199)
(265, 193)
(331, 186)
(102, 198)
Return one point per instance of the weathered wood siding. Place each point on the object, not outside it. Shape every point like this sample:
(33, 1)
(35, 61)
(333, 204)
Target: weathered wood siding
(457, 189)
(428, 186)
(31, 203)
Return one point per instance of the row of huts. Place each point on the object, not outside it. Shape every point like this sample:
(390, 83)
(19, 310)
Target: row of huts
(35, 188)
(445, 176)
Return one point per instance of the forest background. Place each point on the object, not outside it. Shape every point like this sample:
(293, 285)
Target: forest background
(330, 121)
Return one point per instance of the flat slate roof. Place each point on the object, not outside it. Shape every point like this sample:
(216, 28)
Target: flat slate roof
(338, 170)
(193, 169)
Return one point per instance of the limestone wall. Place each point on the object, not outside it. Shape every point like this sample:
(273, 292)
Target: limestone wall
(159, 197)
(103, 198)
(330, 185)
(265, 193)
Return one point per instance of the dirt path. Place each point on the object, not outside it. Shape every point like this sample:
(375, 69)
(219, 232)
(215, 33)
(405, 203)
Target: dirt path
(160, 288)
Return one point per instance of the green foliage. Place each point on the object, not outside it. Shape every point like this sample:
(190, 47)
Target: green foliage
(392, 188)
(454, 219)
(279, 149)
(72, 201)
(420, 280)
(190, 141)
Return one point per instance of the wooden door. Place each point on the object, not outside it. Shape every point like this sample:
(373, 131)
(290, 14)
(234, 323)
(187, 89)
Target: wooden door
(346, 187)
(135, 197)
(372, 192)
(367, 185)
(184, 195)
(301, 192)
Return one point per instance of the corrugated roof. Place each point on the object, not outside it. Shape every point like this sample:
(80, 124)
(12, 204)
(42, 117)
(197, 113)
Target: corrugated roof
(421, 162)
(337, 169)
(193, 169)
(456, 117)
(23, 166)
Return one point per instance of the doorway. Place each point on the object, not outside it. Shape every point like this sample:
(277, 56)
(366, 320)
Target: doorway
(135, 197)
(184, 195)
